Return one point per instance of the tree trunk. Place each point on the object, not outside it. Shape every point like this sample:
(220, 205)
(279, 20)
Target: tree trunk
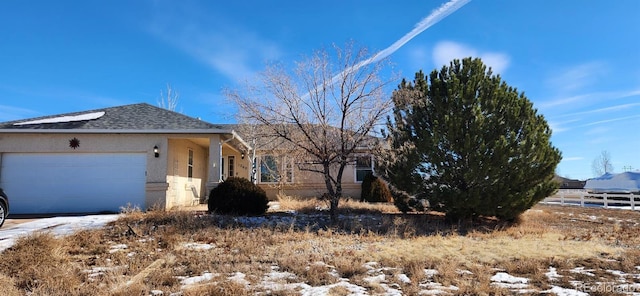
(333, 210)
(337, 194)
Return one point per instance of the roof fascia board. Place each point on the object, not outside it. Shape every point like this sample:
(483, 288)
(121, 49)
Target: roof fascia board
(114, 131)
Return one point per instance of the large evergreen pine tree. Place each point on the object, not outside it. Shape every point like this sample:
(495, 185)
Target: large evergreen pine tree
(470, 144)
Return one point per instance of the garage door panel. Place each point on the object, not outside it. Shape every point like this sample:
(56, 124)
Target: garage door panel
(68, 183)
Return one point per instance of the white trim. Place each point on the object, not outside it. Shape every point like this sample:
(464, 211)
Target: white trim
(355, 167)
(282, 168)
(190, 161)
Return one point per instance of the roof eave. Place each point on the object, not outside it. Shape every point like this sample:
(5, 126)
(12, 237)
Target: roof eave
(116, 131)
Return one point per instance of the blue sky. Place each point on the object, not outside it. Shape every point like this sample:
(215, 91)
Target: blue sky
(578, 61)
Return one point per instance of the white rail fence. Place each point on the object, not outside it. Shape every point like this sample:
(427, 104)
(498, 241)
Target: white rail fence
(606, 200)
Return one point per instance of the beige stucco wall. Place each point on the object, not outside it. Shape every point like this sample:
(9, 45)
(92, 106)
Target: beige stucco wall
(167, 184)
(183, 191)
(308, 184)
(101, 143)
(242, 165)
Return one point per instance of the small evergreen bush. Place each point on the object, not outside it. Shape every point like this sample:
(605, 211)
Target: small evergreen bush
(375, 190)
(238, 196)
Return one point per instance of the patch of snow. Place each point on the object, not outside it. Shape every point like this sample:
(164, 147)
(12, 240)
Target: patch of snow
(117, 248)
(58, 226)
(274, 205)
(581, 270)
(389, 291)
(275, 276)
(436, 289)
(505, 280)
(375, 279)
(403, 278)
(62, 119)
(381, 281)
(239, 278)
(156, 292)
(464, 272)
(187, 281)
(503, 277)
(354, 290)
(617, 272)
(198, 246)
(552, 275)
(559, 291)
(517, 286)
(97, 271)
(372, 265)
(430, 272)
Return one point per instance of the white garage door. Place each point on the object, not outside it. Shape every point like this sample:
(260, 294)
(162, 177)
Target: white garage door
(39, 183)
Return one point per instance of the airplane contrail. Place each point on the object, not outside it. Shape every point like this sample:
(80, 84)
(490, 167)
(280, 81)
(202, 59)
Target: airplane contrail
(436, 16)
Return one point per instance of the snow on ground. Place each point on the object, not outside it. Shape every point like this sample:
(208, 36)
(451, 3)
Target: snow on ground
(505, 280)
(198, 246)
(187, 281)
(552, 275)
(58, 226)
(582, 270)
(566, 292)
(377, 275)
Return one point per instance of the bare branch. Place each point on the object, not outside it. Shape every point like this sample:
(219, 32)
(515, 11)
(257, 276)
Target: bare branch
(170, 101)
(325, 109)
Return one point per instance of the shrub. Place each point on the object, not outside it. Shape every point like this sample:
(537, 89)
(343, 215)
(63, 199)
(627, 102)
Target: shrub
(375, 190)
(406, 203)
(238, 196)
(469, 143)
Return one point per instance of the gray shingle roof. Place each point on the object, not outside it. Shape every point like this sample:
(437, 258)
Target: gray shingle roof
(143, 117)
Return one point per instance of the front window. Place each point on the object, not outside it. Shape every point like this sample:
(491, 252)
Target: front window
(276, 169)
(364, 166)
(232, 166)
(190, 165)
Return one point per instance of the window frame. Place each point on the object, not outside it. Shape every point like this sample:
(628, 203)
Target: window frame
(356, 168)
(283, 167)
(190, 165)
(231, 166)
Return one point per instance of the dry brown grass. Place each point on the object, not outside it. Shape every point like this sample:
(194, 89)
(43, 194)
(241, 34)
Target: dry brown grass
(157, 255)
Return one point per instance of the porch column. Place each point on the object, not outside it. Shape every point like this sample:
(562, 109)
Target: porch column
(215, 154)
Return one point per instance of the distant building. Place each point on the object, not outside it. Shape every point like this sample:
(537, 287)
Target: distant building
(566, 183)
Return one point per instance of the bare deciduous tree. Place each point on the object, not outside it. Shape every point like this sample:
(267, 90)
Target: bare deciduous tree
(602, 164)
(170, 100)
(323, 119)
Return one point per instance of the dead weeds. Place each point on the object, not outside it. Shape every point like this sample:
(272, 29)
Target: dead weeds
(160, 251)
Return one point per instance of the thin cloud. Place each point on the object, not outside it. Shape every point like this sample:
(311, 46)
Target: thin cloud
(558, 127)
(574, 158)
(445, 51)
(603, 110)
(612, 120)
(8, 113)
(577, 77)
(591, 98)
(597, 131)
(228, 49)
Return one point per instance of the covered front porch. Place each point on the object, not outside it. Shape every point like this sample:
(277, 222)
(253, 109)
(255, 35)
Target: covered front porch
(196, 164)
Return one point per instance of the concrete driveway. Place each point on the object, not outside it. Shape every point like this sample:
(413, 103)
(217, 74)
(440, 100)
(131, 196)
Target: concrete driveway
(15, 228)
